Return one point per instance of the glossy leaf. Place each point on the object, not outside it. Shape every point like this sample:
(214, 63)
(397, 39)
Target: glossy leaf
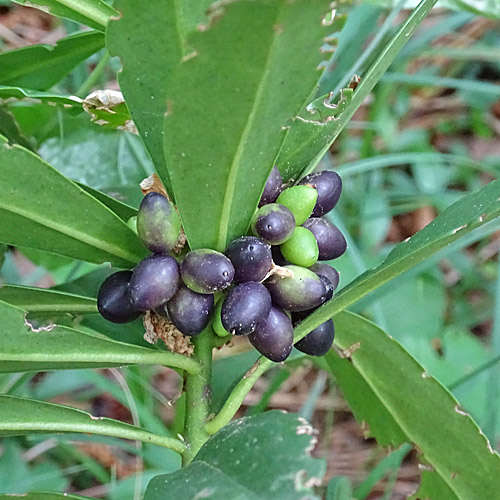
(41, 66)
(111, 161)
(226, 120)
(468, 213)
(49, 97)
(42, 209)
(9, 128)
(93, 13)
(487, 8)
(276, 463)
(24, 347)
(310, 143)
(121, 209)
(21, 416)
(398, 402)
(41, 300)
(43, 495)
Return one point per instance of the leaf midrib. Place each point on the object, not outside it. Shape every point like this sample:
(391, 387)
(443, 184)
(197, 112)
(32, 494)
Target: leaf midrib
(71, 233)
(233, 171)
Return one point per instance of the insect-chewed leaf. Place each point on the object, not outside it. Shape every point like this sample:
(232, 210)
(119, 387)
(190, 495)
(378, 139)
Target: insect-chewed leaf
(42, 209)
(399, 402)
(263, 457)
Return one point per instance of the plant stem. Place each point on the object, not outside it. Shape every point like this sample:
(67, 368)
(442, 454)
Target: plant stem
(235, 399)
(198, 394)
(91, 10)
(92, 79)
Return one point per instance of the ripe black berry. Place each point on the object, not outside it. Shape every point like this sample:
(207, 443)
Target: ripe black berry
(112, 299)
(206, 271)
(272, 188)
(331, 242)
(273, 338)
(190, 311)
(154, 281)
(251, 258)
(328, 184)
(243, 308)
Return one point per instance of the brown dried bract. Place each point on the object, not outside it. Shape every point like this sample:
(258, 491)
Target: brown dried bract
(158, 327)
(153, 184)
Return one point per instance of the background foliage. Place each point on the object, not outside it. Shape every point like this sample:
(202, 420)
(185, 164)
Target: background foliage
(426, 138)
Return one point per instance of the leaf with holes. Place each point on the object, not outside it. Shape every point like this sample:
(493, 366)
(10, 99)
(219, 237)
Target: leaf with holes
(231, 464)
(24, 346)
(467, 214)
(42, 209)
(309, 143)
(389, 391)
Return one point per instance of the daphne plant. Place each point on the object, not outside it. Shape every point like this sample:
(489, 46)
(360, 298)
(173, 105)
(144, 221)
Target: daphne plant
(226, 242)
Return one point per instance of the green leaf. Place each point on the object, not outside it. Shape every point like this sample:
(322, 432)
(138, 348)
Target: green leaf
(390, 392)
(40, 300)
(121, 209)
(41, 66)
(310, 143)
(306, 135)
(49, 97)
(51, 347)
(487, 8)
(468, 213)
(111, 161)
(147, 66)
(339, 488)
(42, 209)
(42, 495)
(21, 416)
(93, 13)
(9, 128)
(224, 108)
(227, 120)
(253, 458)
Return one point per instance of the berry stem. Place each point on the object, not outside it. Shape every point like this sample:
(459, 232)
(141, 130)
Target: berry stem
(198, 394)
(235, 399)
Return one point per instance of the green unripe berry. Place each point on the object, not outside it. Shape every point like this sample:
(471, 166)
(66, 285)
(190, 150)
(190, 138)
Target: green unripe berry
(132, 223)
(300, 200)
(301, 249)
(217, 322)
(158, 223)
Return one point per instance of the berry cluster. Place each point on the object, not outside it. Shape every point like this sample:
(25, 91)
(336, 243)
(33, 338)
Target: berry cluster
(255, 296)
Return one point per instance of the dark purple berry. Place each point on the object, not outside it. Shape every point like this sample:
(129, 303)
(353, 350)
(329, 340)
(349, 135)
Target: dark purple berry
(272, 188)
(251, 258)
(274, 223)
(305, 290)
(154, 281)
(112, 299)
(329, 186)
(206, 271)
(244, 307)
(331, 241)
(273, 338)
(319, 341)
(190, 311)
(158, 224)
(328, 272)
